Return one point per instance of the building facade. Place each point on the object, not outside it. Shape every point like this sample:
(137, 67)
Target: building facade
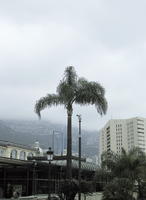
(18, 151)
(27, 171)
(123, 133)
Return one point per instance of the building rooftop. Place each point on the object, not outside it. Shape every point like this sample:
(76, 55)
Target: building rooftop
(8, 143)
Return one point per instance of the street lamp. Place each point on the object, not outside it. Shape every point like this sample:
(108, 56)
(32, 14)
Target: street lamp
(79, 174)
(34, 177)
(49, 158)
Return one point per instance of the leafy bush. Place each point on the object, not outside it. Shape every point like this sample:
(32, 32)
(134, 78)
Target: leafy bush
(119, 189)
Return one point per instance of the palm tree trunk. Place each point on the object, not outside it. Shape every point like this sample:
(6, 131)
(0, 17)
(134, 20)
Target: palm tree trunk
(69, 145)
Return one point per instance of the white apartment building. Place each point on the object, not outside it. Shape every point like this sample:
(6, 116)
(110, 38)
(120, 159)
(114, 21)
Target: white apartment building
(123, 133)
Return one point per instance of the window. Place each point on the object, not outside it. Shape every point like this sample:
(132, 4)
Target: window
(140, 120)
(140, 128)
(30, 154)
(13, 154)
(1, 152)
(22, 155)
(140, 124)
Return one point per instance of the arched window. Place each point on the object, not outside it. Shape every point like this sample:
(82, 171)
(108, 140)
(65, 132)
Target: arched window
(13, 154)
(22, 155)
(1, 152)
(30, 154)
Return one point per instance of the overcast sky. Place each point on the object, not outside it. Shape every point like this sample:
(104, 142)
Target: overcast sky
(105, 40)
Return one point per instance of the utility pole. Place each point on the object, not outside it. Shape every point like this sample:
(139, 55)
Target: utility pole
(79, 174)
(49, 158)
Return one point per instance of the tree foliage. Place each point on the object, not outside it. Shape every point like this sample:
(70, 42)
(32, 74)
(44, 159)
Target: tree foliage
(119, 189)
(128, 173)
(72, 89)
(69, 189)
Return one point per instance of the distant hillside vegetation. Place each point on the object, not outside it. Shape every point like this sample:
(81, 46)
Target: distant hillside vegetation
(9, 134)
(27, 132)
(6, 133)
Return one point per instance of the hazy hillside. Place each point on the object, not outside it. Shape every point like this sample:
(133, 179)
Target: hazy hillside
(6, 133)
(9, 134)
(27, 132)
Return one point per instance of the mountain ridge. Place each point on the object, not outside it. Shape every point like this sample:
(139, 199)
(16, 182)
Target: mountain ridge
(28, 131)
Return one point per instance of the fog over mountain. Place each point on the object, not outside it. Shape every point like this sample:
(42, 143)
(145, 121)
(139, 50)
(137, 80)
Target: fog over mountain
(104, 40)
(27, 132)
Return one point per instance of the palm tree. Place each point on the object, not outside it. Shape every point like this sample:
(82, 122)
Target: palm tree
(70, 90)
(119, 189)
(133, 166)
(129, 165)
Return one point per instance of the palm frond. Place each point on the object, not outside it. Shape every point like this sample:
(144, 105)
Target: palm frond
(136, 151)
(109, 160)
(91, 93)
(49, 100)
(70, 76)
(124, 153)
(66, 91)
(83, 83)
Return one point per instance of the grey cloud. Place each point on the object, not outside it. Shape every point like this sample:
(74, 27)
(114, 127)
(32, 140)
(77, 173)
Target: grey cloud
(104, 40)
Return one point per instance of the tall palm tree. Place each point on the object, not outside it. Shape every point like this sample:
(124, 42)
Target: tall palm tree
(70, 90)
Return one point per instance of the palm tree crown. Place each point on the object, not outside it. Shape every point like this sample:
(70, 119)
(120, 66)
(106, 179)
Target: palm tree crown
(70, 90)
(74, 90)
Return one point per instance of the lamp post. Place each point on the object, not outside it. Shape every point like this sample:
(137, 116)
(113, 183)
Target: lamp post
(79, 174)
(34, 177)
(49, 158)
